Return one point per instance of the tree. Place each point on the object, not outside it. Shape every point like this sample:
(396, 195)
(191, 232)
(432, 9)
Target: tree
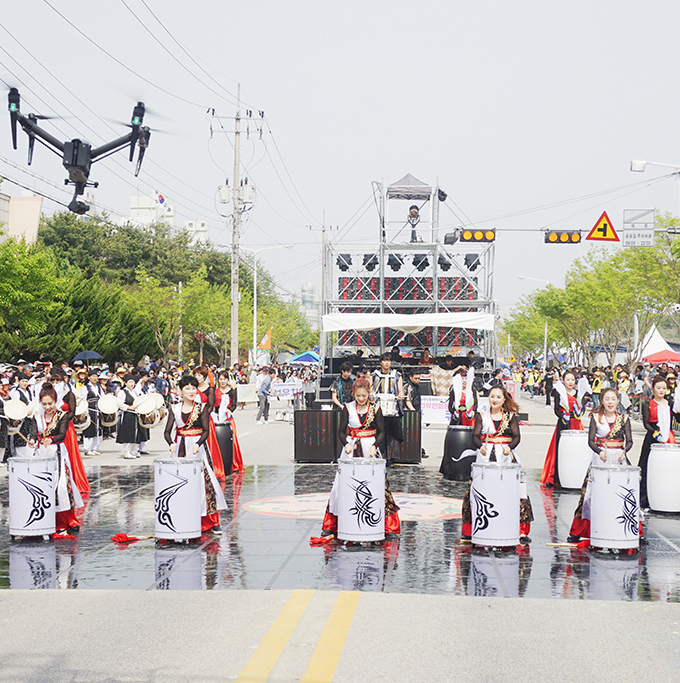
(29, 292)
(159, 309)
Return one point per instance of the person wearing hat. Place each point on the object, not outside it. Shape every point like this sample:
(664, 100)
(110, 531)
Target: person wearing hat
(92, 436)
(129, 435)
(21, 391)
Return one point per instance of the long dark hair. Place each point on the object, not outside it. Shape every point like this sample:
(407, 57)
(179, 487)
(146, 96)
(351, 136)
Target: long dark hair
(509, 404)
(600, 408)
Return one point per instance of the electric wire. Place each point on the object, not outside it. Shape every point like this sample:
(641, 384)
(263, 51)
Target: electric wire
(115, 59)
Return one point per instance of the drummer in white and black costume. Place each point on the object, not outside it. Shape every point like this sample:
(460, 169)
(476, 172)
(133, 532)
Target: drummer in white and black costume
(92, 436)
(610, 438)
(49, 432)
(191, 421)
(496, 435)
(389, 381)
(361, 431)
(21, 391)
(129, 433)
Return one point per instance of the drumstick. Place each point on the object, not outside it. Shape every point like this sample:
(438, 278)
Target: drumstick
(562, 545)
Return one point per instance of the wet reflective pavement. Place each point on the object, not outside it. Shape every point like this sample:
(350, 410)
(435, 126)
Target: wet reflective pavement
(272, 551)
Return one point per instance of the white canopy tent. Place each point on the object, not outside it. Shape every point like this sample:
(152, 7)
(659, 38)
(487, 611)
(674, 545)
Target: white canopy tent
(653, 343)
(406, 322)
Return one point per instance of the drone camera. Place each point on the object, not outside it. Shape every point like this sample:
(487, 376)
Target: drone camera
(78, 207)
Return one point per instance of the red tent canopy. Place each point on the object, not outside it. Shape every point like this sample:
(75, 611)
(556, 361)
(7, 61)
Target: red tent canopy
(662, 357)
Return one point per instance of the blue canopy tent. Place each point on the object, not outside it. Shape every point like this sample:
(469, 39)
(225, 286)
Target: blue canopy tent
(306, 358)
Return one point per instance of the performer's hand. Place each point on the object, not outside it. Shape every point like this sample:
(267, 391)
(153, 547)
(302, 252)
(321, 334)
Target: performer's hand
(372, 451)
(622, 456)
(173, 447)
(194, 450)
(482, 450)
(31, 444)
(348, 448)
(603, 456)
(506, 449)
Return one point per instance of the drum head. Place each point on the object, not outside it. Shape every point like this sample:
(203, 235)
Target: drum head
(107, 404)
(16, 409)
(160, 401)
(82, 408)
(144, 404)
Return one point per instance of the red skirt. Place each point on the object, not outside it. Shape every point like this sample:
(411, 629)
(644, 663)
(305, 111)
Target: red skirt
(215, 455)
(237, 461)
(71, 443)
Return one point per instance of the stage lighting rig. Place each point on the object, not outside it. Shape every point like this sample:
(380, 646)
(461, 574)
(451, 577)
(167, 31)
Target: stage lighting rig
(78, 156)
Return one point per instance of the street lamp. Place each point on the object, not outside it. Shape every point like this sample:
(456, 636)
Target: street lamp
(545, 331)
(639, 165)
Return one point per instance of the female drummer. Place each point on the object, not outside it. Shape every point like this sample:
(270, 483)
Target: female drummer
(496, 435)
(66, 400)
(51, 428)
(610, 438)
(462, 398)
(191, 420)
(569, 408)
(657, 417)
(225, 402)
(206, 395)
(362, 433)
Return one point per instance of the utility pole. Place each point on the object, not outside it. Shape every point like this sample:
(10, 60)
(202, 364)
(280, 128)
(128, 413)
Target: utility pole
(236, 221)
(242, 198)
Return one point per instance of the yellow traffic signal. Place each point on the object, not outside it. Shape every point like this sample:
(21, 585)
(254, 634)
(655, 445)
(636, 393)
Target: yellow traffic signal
(562, 237)
(478, 235)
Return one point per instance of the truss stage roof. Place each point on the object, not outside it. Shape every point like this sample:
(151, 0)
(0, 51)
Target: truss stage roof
(410, 323)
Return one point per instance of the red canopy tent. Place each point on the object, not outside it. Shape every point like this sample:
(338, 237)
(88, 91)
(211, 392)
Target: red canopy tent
(662, 357)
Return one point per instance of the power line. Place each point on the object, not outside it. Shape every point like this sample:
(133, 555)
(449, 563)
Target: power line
(115, 59)
(153, 35)
(31, 189)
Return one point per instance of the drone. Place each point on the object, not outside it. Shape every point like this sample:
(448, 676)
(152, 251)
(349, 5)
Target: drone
(78, 156)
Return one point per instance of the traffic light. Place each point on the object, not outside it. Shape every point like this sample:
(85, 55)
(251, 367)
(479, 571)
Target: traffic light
(562, 236)
(476, 235)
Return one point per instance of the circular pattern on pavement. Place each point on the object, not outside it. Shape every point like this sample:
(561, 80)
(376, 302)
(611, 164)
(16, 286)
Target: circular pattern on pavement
(414, 507)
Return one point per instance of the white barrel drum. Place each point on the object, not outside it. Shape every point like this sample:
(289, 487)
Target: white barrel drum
(177, 489)
(573, 458)
(663, 475)
(494, 500)
(388, 405)
(31, 496)
(361, 499)
(615, 507)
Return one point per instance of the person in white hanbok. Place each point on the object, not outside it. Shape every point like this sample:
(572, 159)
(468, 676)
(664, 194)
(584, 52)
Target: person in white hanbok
(191, 422)
(610, 438)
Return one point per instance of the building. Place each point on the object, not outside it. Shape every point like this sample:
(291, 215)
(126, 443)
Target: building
(145, 211)
(311, 305)
(198, 230)
(20, 216)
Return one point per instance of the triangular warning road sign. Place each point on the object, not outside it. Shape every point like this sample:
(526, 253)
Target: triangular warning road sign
(603, 230)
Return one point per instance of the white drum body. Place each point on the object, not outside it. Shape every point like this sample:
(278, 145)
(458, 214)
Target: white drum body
(361, 499)
(573, 458)
(494, 499)
(177, 490)
(31, 496)
(663, 475)
(615, 507)
(388, 405)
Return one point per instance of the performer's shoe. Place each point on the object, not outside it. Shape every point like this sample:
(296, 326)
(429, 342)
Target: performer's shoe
(573, 539)
(524, 540)
(143, 453)
(74, 529)
(217, 530)
(129, 456)
(326, 532)
(89, 453)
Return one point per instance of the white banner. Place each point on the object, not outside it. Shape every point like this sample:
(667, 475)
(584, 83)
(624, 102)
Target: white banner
(287, 391)
(435, 410)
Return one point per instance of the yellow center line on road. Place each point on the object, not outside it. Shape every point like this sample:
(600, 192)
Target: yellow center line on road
(326, 656)
(267, 654)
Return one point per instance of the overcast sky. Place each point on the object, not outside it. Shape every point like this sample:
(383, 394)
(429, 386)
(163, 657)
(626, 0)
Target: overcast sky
(509, 106)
